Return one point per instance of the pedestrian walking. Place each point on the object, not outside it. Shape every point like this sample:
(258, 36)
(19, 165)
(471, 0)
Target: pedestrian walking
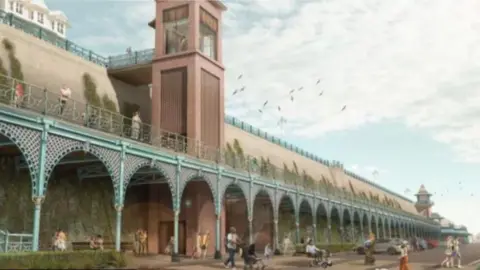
(232, 242)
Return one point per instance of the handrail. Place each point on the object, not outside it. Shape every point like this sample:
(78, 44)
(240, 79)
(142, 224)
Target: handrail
(45, 102)
(8, 243)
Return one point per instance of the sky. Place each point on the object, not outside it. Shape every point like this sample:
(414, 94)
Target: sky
(408, 72)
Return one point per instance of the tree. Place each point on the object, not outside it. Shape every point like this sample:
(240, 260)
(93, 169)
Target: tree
(239, 152)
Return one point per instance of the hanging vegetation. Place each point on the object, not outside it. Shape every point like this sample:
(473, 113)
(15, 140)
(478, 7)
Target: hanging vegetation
(3, 74)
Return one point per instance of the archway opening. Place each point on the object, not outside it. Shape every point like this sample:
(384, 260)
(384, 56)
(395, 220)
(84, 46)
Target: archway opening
(286, 219)
(335, 236)
(347, 229)
(306, 221)
(148, 206)
(79, 199)
(322, 219)
(365, 223)
(373, 226)
(392, 228)
(198, 217)
(236, 212)
(381, 235)
(16, 207)
(263, 220)
(396, 230)
(357, 237)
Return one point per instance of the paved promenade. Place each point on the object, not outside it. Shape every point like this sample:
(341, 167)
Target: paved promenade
(345, 261)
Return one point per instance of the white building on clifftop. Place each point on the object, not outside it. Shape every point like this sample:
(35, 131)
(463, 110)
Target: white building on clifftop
(37, 12)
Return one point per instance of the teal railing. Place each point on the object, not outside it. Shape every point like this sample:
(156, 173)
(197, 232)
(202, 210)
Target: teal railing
(15, 242)
(145, 57)
(262, 134)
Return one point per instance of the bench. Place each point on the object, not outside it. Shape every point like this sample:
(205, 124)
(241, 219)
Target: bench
(85, 245)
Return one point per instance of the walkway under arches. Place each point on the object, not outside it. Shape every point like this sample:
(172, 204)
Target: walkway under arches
(263, 226)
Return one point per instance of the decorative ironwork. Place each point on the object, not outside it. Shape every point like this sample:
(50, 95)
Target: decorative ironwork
(134, 163)
(187, 175)
(244, 187)
(38, 100)
(15, 242)
(58, 147)
(27, 140)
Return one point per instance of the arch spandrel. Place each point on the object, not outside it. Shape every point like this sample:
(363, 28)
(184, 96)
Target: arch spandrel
(58, 147)
(134, 163)
(257, 189)
(27, 140)
(188, 175)
(308, 200)
(279, 195)
(227, 181)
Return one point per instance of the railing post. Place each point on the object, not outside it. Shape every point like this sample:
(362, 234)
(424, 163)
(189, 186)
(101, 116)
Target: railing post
(45, 101)
(67, 45)
(13, 93)
(6, 242)
(29, 94)
(10, 19)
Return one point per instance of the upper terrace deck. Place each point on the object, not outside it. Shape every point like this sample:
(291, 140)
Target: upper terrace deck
(135, 67)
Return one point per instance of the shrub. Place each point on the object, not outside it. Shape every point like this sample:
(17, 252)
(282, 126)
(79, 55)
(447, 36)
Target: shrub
(3, 75)
(8, 45)
(62, 260)
(90, 91)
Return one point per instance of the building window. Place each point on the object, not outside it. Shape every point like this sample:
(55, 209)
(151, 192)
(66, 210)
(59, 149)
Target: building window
(175, 22)
(60, 28)
(208, 34)
(31, 15)
(40, 18)
(19, 8)
(53, 26)
(11, 5)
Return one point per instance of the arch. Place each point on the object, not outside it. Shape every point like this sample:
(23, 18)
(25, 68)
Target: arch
(227, 183)
(27, 141)
(94, 151)
(286, 206)
(134, 163)
(58, 147)
(262, 223)
(305, 218)
(321, 214)
(380, 227)
(262, 190)
(196, 176)
(280, 196)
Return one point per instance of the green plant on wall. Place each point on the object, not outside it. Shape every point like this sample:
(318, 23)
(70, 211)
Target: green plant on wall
(239, 152)
(230, 155)
(90, 91)
(15, 65)
(3, 74)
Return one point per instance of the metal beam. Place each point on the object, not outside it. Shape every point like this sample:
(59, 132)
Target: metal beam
(5, 144)
(22, 164)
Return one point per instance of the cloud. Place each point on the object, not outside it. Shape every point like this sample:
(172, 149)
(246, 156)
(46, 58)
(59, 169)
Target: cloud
(410, 61)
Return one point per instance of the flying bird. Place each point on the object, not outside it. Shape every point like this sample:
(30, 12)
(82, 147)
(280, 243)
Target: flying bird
(235, 92)
(321, 94)
(239, 76)
(344, 107)
(291, 91)
(291, 98)
(279, 109)
(300, 89)
(242, 89)
(265, 104)
(318, 81)
(260, 111)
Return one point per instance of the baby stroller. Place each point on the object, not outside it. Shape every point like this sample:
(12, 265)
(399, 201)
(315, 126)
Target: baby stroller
(322, 259)
(250, 259)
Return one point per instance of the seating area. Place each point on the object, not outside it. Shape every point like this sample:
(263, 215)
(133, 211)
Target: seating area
(124, 246)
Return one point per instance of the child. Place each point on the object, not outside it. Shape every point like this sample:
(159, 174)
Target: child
(268, 251)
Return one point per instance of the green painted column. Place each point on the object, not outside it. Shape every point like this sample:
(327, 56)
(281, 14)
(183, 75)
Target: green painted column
(250, 229)
(176, 211)
(38, 197)
(218, 212)
(119, 201)
(314, 234)
(297, 229)
(275, 236)
(362, 232)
